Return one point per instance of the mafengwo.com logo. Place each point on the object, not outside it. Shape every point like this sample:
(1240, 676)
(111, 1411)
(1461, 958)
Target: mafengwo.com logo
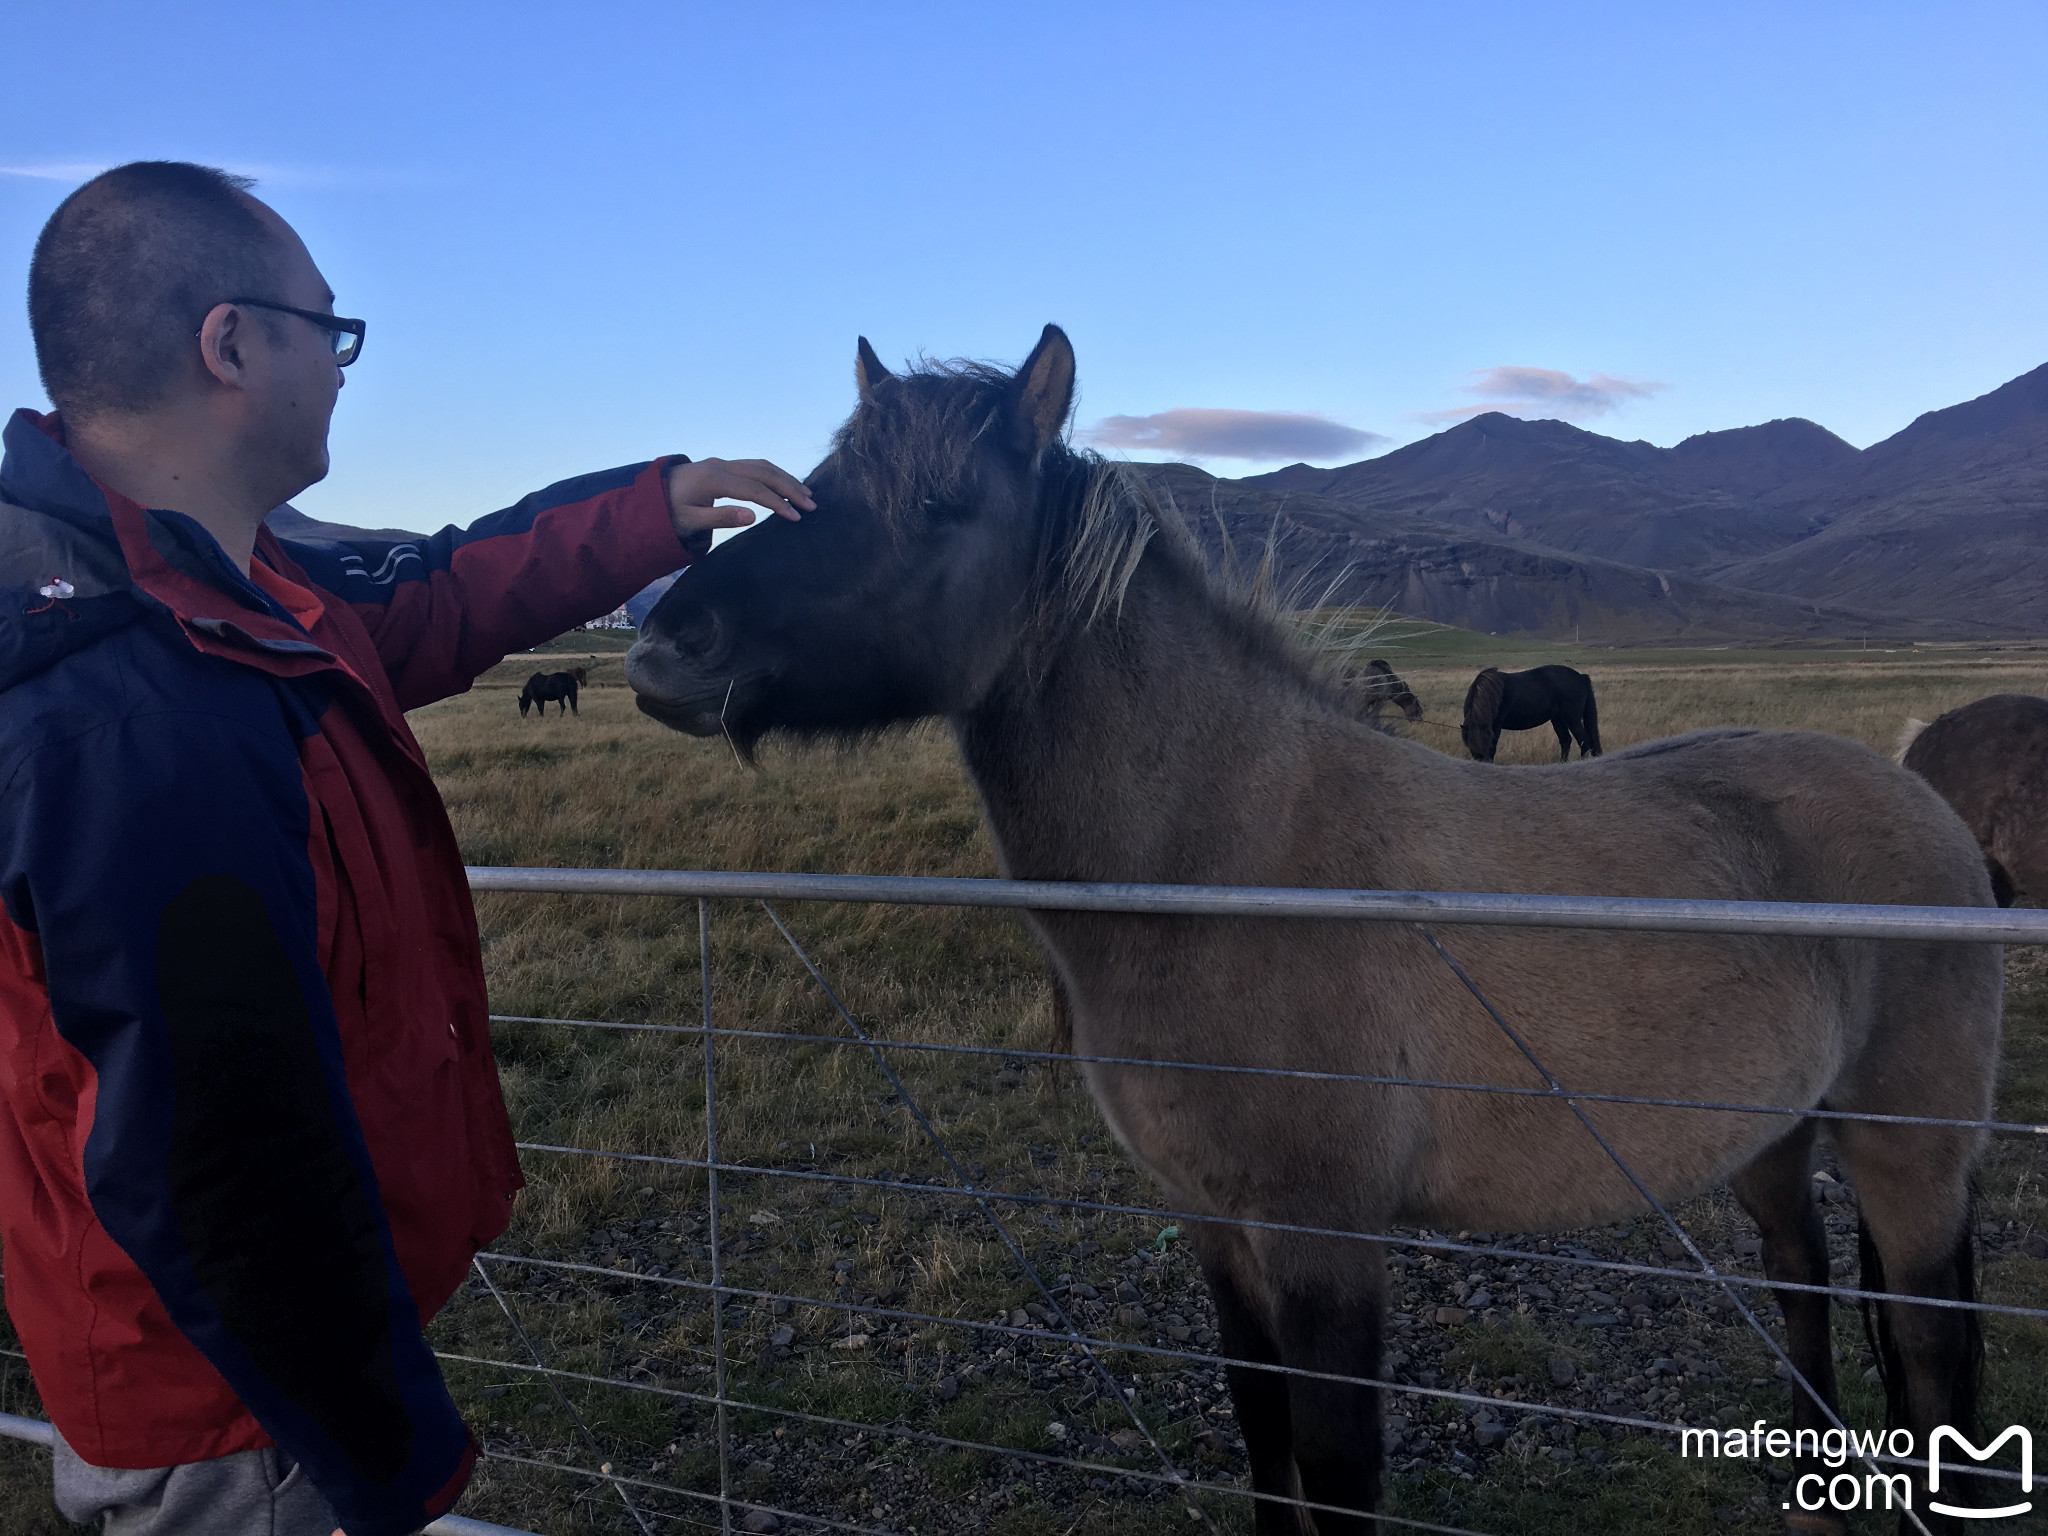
(1944, 1435)
(1877, 1485)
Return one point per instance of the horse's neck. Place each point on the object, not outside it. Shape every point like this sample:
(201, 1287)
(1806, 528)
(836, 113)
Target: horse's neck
(1156, 745)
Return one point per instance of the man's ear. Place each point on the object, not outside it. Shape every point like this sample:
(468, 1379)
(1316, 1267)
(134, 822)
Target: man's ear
(1043, 394)
(867, 370)
(223, 338)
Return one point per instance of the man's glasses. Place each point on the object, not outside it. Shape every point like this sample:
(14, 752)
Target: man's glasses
(345, 336)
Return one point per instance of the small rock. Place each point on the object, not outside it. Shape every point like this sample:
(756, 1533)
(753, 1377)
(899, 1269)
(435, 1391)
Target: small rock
(779, 1307)
(1539, 1292)
(1019, 1319)
(1084, 1291)
(1452, 1317)
(1563, 1372)
(1131, 1317)
(760, 1469)
(1039, 1312)
(1127, 1439)
(1598, 1320)
(1125, 1291)
(851, 1341)
(1490, 1435)
(1672, 1249)
(760, 1523)
(1055, 1431)
(1479, 1301)
(783, 1337)
(1181, 1334)
(946, 1388)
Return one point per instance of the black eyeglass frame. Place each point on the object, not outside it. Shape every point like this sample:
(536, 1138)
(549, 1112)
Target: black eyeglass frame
(332, 324)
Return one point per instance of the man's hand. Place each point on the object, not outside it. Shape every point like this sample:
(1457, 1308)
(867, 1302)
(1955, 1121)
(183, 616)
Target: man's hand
(692, 488)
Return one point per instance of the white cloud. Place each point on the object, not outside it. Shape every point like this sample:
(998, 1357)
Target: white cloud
(1211, 433)
(1545, 392)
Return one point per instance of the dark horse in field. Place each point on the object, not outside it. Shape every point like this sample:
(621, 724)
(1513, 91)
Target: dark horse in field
(545, 688)
(1990, 761)
(1520, 701)
(1382, 686)
(1123, 719)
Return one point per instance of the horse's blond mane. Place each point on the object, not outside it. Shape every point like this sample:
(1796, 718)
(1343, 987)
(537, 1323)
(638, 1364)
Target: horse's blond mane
(910, 450)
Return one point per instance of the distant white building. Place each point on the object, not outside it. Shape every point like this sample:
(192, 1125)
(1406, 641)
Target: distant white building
(618, 618)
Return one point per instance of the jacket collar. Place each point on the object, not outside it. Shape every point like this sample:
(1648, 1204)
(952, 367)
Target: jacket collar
(169, 561)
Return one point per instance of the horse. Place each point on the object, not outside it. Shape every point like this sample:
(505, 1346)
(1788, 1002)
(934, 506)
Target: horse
(1989, 760)
(1124, 719)
(545, 688)
(1382, 686)
(1520, 701)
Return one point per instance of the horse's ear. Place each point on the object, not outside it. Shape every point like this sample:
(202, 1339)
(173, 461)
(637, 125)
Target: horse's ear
(867, 369)
(1044, 392)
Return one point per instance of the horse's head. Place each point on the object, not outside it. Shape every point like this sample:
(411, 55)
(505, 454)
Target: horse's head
(1388, 687)
(904, 594)
(1481, 730)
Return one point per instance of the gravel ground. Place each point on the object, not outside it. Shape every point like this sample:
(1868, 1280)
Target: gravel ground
(1517, 1329)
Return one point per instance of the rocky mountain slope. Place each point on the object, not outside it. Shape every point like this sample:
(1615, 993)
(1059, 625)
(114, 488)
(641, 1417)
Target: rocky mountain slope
(1781, 529)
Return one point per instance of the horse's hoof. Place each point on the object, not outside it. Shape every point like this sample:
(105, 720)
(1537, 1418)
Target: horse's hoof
(1806, 1522)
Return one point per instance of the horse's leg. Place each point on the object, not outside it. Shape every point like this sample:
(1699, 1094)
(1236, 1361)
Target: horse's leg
(1777, 1191)
(1913, 1188)
(1258, 1397)
(1330, 1315)
(572, 703)
(1564, 737)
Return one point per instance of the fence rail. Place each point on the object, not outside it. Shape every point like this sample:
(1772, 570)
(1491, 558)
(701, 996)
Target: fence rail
(1421, 908)
(1979, 925)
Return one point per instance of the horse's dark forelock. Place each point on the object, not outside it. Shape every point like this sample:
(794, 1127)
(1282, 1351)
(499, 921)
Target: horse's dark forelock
(912, 440)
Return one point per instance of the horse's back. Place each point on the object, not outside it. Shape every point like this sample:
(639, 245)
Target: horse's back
(1989, 760)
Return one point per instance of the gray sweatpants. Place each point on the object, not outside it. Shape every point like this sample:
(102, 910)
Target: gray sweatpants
(251, 1493)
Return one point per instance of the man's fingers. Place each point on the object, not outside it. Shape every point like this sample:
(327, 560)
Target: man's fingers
(778, 480)
(726, 481)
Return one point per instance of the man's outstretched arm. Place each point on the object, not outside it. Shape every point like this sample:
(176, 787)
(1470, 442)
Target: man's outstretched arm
(448, 607)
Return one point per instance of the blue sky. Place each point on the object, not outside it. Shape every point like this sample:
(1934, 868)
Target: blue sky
(584, 235)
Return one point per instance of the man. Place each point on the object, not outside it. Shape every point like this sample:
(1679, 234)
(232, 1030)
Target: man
(252, 1131)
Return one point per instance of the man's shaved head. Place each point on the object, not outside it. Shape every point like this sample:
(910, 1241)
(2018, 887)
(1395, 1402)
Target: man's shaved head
(125, 272)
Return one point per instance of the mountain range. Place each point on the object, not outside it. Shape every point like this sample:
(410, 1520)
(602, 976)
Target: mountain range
(1776, 531)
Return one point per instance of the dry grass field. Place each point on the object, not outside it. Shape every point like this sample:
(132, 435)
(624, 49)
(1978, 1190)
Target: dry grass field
(610, 788)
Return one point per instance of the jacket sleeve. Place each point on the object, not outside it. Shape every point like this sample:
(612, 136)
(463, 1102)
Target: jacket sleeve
(162, 863)
(445, 609)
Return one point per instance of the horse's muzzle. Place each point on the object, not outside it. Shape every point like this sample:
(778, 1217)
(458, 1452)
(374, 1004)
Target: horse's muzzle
(671, 691)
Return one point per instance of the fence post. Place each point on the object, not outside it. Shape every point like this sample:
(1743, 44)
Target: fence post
(711, 1186)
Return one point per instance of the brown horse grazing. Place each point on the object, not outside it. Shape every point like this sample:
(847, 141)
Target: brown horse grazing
(545, 688)
(1990, 761)
(1382, 686)
(1123, 720)
(1556, 696)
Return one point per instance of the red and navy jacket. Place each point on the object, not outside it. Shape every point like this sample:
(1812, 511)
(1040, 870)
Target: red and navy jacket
(252, 1131)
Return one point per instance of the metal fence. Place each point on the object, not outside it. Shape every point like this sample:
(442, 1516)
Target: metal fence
(1051, 1321)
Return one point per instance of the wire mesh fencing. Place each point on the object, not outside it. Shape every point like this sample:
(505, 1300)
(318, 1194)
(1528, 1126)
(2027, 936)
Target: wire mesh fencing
(718, 1393)
(1111, 1430)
